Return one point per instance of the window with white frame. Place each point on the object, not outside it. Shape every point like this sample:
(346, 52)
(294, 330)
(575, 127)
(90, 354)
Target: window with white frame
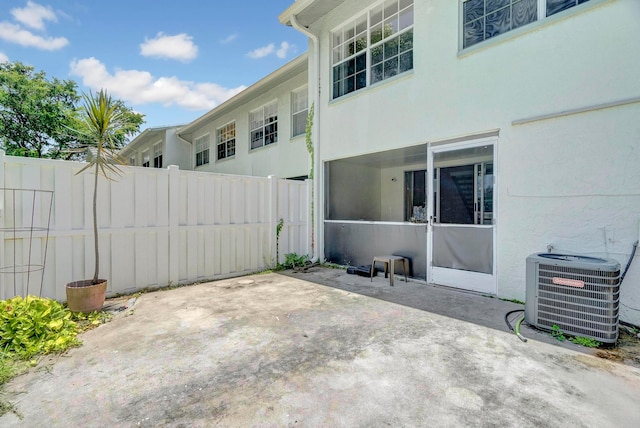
(145, 159)
(299, 110)
(227, 141)
(157, 155)
(132, 160)
(263, 125)
(373, 47)
(202, 150)
(484, 19)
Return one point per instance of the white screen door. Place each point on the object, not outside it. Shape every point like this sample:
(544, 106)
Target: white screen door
(461, 218)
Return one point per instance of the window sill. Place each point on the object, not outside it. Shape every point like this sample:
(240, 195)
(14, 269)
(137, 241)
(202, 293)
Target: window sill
(534, 26)
(297, 137)
(375, 86)
(257, 149)
(228, 158)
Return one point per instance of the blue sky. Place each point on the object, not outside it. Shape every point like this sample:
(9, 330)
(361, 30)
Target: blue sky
(170, 60)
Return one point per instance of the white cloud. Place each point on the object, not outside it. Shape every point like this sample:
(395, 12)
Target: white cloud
(3, 58)
(281, 52)
(262, 52)
(180, 47)
(141, 87)
(285, 47)
(230, 38)
(34, 15)
(15, 34)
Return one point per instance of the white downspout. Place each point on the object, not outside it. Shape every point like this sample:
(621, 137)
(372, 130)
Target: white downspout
(318, 248)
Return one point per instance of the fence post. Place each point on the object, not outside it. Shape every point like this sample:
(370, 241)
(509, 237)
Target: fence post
(3, 294)
(174, 223)
(3, 159)
(62, 244)
(273, 217)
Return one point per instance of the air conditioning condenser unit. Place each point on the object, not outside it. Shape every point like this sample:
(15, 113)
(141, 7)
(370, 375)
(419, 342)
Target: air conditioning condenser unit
(579, 294)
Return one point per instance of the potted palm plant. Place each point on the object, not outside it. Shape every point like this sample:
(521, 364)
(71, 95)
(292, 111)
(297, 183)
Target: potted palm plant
(100, 128)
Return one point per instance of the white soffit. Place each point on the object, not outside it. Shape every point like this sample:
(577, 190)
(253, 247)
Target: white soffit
(307, 12)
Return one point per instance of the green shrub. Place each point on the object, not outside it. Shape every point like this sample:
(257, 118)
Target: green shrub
(557, 333)
(34, 326)
(294, 260)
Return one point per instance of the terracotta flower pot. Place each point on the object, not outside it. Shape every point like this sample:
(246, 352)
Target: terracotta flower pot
(82, 296)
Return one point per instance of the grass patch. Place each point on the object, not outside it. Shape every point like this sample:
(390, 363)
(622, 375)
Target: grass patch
(578, 340)
(519, 302)
(490, 296)
(10, 367)
(6, 407)
(585, 341)
(331, 265)
(91, 320)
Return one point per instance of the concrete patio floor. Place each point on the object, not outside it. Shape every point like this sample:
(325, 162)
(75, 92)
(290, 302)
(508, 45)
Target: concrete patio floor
(286, 350)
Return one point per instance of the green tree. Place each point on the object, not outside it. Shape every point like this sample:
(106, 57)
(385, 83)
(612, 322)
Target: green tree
(34, 112)
(37, 114)
(101, 123)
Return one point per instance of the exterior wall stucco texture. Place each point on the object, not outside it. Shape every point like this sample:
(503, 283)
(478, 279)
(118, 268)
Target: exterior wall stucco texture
(286, 158)
(571, 181)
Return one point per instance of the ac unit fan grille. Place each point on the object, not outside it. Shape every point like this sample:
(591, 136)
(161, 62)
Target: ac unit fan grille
(579, 297)
(560, 302)
(568, 325)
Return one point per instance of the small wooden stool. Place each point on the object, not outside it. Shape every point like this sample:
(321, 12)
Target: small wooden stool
(389, 262)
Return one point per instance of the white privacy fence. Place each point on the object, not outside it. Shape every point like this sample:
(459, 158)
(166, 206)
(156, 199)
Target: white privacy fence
(156, 226)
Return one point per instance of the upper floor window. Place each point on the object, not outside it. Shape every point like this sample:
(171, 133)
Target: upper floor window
(132, 160)
(227, 141)
(263, 125)
(299, 110)
(145, 159)
(484, 19)
(157, 156)
(202, 150)
(375, 46)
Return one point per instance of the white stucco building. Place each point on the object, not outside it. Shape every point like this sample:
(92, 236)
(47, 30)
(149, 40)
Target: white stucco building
(259, 132)
(158, 148)
(468, 134)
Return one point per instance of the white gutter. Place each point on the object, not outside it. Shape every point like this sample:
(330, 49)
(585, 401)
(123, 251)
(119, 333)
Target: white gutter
(318, 240)
(296, 7)
(179, 137)
(247, 93)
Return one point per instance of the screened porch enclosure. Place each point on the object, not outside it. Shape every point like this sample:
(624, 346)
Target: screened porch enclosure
(390, 203)
(376, 204)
